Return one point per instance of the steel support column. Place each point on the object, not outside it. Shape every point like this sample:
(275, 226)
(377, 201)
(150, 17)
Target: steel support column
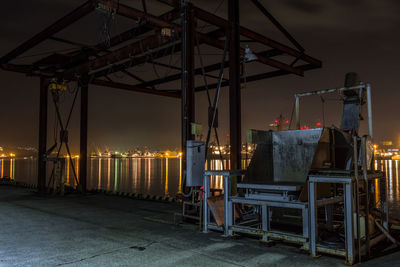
(188, 100)
(44, 84)
(234, 90)
(83, 134)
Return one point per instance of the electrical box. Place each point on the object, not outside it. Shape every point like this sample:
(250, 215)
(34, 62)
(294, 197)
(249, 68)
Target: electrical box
(195, 162)
(197, 129)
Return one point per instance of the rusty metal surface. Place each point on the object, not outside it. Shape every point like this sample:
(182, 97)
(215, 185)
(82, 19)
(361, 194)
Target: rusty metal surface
(289, 156)
(293, 153)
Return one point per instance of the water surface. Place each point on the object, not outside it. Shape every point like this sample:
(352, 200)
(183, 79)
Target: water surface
(157, 176)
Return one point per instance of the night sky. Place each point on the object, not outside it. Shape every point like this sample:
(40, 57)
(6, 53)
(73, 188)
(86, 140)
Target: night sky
(357, 35)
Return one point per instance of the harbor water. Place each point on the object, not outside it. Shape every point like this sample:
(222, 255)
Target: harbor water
(156, 176)
(152, 176)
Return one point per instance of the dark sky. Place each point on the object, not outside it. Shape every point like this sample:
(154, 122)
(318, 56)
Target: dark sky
(357, 35)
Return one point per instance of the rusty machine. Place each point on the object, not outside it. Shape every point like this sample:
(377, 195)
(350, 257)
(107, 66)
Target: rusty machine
(314, 187)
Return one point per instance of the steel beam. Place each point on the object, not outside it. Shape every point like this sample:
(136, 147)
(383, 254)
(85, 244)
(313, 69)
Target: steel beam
(235, 121)
(65, 41)
(133, 76)
(277, 24)
(123, 53)
(116, 40)
(173, 3)
(73, 16)
(225, 24)
(178, 76)
(157, 22)
(44, 84)
(26, 69)
(268, 61)
(257, 77)
(141, 29)
(137, 61)
(123, 37)
(83, 155)
(134, 88)
(177, 47)
(198, 71)
(133, 13)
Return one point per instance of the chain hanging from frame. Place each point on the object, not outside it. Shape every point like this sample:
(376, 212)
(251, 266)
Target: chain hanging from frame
(106, 15)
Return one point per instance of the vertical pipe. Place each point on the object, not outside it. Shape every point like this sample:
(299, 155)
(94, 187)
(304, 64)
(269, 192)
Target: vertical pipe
(305, 221)
(227, 206)
(297, 112)
(386, 205)
(369, 107)
(83, 136)
(312, 188)
(366, 183)
(234, 90)
(44, 84)
(357, 198)
(348, 209)
(265, 222)
(205, 206)
(187, 86)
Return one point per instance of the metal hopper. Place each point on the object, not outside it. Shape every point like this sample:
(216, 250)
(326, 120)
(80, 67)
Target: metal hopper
(289, 156)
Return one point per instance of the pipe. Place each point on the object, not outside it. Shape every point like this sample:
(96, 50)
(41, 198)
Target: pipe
(369, 107)
(297, 112)
(386, 233)
(357, 200)
(365, 176)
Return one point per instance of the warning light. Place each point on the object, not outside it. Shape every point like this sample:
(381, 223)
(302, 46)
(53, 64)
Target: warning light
(287, 121)
(276, 121)
(319, 124)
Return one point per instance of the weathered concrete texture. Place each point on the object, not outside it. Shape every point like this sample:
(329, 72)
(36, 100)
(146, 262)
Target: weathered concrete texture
(98, 230)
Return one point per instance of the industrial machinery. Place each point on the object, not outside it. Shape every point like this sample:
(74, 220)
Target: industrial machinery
(314, 187)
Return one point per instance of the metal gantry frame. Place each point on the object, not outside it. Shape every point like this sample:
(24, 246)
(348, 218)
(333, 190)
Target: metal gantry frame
(93, 63)
(366, 87)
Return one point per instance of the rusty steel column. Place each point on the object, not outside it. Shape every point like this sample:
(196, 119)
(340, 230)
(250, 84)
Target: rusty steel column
(188, 94)
(44, 85)
(234, 89)
(83, 134)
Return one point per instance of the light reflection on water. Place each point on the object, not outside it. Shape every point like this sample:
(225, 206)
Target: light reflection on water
(154, 176)
(391, 169)
(7, 168)
(158, 176)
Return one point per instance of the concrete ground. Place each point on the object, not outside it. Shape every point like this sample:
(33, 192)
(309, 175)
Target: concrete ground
(99, 230)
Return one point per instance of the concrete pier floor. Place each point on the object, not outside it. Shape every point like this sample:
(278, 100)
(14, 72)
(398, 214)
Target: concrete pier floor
(99, 230)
